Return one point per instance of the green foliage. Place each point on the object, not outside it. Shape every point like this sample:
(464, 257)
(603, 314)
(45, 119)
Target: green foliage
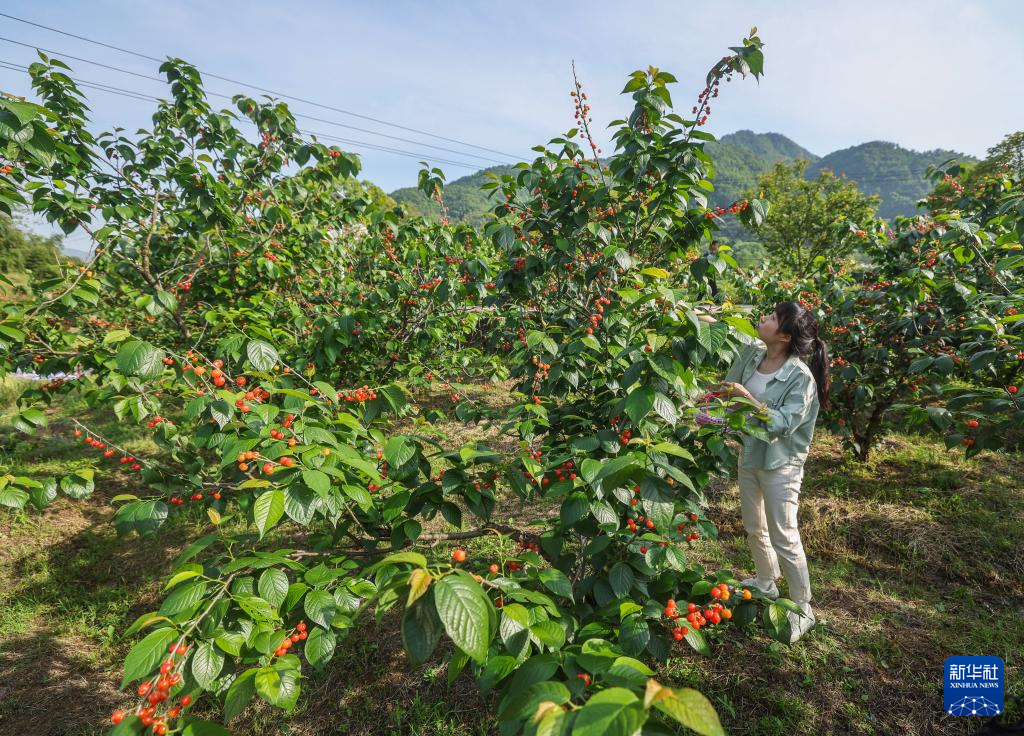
(26, 252)
(801, 232)
(1006, 158)
(928, 331)
(263, 315)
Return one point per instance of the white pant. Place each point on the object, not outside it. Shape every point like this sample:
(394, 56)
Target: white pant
(769, 499)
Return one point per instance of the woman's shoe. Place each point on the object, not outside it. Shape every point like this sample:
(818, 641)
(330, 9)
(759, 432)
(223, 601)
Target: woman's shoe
(771, 590)
(800, 625)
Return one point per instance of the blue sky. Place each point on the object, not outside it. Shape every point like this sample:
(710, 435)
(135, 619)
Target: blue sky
(922, 73)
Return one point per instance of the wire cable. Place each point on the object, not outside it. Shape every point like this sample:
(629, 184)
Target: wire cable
(264, 89)
(143, 97)
(65, 55)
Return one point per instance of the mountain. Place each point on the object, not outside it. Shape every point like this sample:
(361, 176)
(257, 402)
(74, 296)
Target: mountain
(465, 200)
(739, 157)
(896, 174)
(769, 146)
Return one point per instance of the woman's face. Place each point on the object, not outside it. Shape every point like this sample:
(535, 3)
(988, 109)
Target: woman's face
(768, 328)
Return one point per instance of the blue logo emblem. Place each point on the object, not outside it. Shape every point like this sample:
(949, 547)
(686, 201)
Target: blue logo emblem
(974, 686)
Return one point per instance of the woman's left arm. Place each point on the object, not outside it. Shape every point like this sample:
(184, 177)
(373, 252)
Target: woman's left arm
(800, 403)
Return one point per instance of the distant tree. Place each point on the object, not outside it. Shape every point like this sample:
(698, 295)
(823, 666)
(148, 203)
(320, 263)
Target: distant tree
(800, 230)
(378, 196)
(1008, 154)
(22, 251)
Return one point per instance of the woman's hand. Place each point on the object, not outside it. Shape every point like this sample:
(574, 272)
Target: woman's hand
(738, 390)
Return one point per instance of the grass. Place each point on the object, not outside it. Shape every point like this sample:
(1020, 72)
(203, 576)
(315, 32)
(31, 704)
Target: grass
(915, 556)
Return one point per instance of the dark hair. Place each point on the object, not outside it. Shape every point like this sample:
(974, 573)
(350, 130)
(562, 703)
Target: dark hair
(801, 326)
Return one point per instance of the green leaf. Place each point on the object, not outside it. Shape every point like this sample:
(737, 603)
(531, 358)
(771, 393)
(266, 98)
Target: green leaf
(256, 607)
(130, 726)
(574, 508)
(44, 495)
(273, 586)
(144, 656)
(550, 633)
(777, 622)
(639, 403)
(399, 451)
(621, 578)
(321, 607)
(414, 558)
(181, 576)
(465, 612)
(319, 647)
(699, 643)
(12, 497)
(693, 710)
(183, 598)
(262, 355)
(139, 358)
(268, 510)
(207, 663)
(192, 726)
(556, 581)
(143, 517)
(612, 712)
(239, 694)
(317, 480)
(421, 628)
(78, 484)
(231, 642)
(268, 684)
(634, 633)
(521, 703)
(665, 408)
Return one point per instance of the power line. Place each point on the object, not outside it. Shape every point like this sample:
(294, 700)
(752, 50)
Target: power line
(143, 97)
(263, 89)
(65, 55)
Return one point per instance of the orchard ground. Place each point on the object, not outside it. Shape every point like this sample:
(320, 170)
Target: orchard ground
(915, 556)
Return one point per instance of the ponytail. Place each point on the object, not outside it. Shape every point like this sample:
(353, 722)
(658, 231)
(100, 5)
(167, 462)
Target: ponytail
(820, 370)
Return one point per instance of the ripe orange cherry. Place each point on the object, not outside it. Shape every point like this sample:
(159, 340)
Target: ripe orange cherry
(459, 555)
(117, 716)
(494, 569)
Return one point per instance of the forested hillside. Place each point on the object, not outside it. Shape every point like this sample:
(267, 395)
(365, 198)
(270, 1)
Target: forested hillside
(894, 173)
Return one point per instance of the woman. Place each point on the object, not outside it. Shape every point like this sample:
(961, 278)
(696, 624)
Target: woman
(772, 375)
